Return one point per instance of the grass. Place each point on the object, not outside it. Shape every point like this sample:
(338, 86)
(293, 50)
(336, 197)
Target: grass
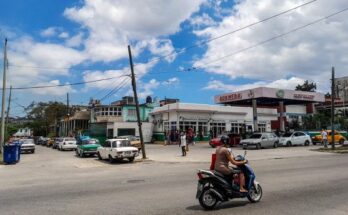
(338, 149)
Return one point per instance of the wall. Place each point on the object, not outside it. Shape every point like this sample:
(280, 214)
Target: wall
(146, 128)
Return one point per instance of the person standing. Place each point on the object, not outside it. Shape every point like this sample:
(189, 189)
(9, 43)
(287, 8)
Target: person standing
(183, 143)
(324, 137)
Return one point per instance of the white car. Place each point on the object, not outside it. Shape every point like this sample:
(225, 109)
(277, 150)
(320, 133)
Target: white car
(67, 143)
(295, 138)
(117, 149)
(260, 140)
(27, 145)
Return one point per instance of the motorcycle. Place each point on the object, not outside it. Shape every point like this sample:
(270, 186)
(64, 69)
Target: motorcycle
(213, 187)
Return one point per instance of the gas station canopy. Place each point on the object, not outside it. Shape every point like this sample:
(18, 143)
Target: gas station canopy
(266, 96)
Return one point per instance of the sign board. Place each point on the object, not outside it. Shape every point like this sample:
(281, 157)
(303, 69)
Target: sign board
(265, 92)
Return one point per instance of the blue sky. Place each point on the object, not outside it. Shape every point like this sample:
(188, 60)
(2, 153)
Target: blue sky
(65, 41)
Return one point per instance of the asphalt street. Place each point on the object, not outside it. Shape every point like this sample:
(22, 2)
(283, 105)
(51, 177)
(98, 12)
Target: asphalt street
(53, 182)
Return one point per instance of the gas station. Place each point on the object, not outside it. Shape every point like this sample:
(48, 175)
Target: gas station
(265, 97)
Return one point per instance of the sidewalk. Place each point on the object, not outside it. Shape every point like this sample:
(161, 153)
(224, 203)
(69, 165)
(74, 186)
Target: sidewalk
(201, 153)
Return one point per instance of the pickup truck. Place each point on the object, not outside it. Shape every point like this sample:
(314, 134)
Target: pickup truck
(117, 150)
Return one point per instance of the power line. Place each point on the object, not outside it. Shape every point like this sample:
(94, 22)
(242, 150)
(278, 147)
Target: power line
(231, 32)
(266, 41)
(63, 85)
(114, 90)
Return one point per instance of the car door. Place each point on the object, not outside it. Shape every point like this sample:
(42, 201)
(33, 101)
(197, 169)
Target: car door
(295, 138)
(301, 138)
(264, 140)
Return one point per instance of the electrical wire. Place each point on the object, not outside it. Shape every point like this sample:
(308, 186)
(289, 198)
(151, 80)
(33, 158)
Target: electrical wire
(63, 85)
(265, 41)
(115, 89)
(229, 33)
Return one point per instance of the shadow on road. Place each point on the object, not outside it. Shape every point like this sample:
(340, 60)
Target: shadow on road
(222, 206)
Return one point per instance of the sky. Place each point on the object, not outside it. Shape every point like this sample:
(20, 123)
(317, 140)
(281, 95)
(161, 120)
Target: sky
(190, 50)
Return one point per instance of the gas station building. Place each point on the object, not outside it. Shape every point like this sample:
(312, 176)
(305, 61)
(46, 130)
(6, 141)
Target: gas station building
(298, 102)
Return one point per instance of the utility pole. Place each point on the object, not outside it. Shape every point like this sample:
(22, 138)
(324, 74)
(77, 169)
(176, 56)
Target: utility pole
(333, 108)
(8, 109)
(3, 99)
(68, 114)
(136, 102)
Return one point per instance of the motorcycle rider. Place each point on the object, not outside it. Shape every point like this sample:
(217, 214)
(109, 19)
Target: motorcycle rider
(223, 157)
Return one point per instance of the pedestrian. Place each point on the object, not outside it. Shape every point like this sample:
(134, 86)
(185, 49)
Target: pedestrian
(183, 143)
(324, 137)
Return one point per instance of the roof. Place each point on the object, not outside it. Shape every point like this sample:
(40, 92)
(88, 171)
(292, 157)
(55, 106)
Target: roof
(269, 96)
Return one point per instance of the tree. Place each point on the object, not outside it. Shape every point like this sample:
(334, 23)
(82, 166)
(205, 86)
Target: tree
(43, 115)
(306, 86)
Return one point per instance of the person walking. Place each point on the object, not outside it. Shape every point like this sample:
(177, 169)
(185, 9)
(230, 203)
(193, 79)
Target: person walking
(183, 143)
(324, 137)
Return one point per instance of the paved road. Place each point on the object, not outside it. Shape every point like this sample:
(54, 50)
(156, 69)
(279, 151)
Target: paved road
(53, 182)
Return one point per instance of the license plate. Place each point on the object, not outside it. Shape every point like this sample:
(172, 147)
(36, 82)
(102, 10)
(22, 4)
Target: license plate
(128, 153)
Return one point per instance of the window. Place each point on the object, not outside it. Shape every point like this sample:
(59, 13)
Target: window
(218, 128)
(131, 112)
(203, 127)
(262, 127)
(237, 127)
(166, 126)
(107, 144)
(185, 125)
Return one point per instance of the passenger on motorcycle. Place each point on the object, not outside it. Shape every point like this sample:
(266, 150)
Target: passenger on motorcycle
(223, 157)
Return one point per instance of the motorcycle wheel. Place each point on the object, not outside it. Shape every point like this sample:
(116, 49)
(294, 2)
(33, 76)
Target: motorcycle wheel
(255, 193)
(208, 200)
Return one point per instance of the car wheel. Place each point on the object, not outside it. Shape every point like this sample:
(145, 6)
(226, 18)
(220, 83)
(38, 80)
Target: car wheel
(111, 160)
(131, 159)
(275, 145)
(306, 143)
(341, 141)
(99, 156)
(245, 147)
(314, 143)
(258, 146)
(212, 145)
(32, 151)
(288, 144)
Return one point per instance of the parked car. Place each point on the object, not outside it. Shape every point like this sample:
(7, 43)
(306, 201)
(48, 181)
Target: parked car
(56, 143)
(27, 145)
(339, 138)
(261, 140)
(295, 138)
(87, 147)
(67, 143)
(134, 140)
(45, 141)
(117, 149)
(40, 140)
(233, 138)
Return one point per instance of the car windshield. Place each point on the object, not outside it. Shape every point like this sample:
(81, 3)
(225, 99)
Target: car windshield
(255, 136)
(287, 135)
(123, 143)
(26, 141)
(90, 142)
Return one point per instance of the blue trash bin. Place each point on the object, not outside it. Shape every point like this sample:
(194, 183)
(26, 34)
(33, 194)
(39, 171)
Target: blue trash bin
(12, 153)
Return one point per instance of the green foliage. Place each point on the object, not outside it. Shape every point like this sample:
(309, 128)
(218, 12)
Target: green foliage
(43, 115)
(306, 86)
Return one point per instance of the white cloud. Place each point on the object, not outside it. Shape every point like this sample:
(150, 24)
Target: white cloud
(32, 62)
(171, 82)
(162, 47)
(49, 32)
(308, 54)
(203, 20)
(148, 88)
(75, 41)
(111, 29)
(290, 84)
(53, 91)
(63, 35)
